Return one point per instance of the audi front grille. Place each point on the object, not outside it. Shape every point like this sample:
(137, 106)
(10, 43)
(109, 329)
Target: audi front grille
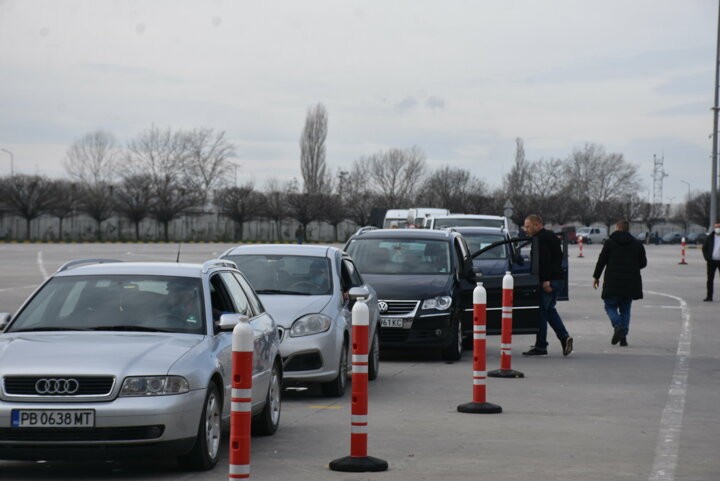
(58, 386)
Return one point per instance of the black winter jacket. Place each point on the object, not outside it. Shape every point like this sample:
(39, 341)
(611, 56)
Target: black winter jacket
(708, 245)
(622, 257)
(549, 256)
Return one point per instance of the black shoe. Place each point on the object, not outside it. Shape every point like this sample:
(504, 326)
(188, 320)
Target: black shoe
(534, 351)
(567, 345)
(623, 337)
(708, 299)
(616, 336)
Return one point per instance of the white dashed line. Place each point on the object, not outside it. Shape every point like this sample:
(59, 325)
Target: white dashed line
(668, 442)
(41, 266)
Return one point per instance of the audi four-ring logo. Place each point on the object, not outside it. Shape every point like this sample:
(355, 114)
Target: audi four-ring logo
(382, 305)
(57, 386)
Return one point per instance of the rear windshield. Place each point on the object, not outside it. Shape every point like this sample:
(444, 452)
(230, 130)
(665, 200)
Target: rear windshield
(465, 222)
(476, 242)
(400, 256)
(115, 303)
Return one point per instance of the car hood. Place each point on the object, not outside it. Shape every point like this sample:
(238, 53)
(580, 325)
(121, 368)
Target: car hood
(409, 286)
(121, 354)
(286, 309)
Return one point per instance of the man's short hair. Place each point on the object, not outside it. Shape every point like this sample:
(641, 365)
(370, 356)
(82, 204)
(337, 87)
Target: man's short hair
(622, 225)
(534, 218)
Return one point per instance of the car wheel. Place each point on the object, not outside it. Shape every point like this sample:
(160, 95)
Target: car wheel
(206, 450)
(454, 351)
(337, 386)
(374, 356)
(267, 422)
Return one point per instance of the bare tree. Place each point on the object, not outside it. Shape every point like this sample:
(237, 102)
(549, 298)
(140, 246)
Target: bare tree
(133, 198)
(276, 207)
(698, 209)
(312, 150)
(304, 207)
(29, 196)
(357, 196)
(450, 188)
(517, 187)
(65, 202)
(93, 159)
(96, 200)
(161, 154)
(240, 204)
(397, 173)
(206, 162)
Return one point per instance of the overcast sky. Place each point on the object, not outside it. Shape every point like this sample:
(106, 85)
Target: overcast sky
(460, 79)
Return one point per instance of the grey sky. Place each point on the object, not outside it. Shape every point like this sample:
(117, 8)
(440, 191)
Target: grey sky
(461, 79)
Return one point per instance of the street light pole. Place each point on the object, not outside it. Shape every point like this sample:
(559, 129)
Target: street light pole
(12, 161)
(714, 169)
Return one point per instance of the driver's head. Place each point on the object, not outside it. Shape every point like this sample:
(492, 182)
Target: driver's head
(180, 289)
(318, 269)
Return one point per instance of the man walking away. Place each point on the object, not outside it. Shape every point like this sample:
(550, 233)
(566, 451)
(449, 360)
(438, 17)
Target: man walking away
(711, 253)
(622, 257)
(549, 256)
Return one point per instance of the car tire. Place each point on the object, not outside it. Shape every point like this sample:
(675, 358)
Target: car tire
(267, 422)
(337, 386)
(453, 352)
(374, 356)
(206, 451)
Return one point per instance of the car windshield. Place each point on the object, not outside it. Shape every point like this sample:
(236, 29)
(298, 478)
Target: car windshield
(467, 222)
(286, 274)
(476, 242)
(400, 256)
(115, 303)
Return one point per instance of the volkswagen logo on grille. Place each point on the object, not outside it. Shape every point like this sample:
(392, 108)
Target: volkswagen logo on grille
(57, 386)
(382, 306)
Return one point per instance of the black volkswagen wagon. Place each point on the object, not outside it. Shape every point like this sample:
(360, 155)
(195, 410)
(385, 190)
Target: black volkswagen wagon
(424, 280)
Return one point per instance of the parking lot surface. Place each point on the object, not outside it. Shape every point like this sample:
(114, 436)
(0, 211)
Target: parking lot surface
(649, 411)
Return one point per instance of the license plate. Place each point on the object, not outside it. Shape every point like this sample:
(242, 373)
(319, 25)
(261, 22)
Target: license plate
(53, 418)
(391, 322)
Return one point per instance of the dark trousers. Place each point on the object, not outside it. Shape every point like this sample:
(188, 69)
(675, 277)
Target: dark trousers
(711, 266)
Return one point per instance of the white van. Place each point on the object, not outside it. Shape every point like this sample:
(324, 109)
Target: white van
(395, 218)
(468, 220)
(592, 234)
(419, 215)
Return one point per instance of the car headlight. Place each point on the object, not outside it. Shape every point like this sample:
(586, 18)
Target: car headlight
(440, 303)
(310, 324)
(154, 386)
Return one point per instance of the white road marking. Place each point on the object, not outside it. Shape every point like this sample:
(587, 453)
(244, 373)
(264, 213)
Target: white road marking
(8, 289)
(41, 266)
(668, 442)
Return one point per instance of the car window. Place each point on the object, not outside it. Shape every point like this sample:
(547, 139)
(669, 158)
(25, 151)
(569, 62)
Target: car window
(400, 256)
(115, 302)
(251, 297)
(467, 222)
(237, 295)
(220, 299)
(476, 242)
(350, 275)
(286, 274)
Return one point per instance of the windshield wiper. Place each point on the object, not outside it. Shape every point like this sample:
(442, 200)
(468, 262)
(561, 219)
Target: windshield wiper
(128, 328)
(279, 291)
(49, 328)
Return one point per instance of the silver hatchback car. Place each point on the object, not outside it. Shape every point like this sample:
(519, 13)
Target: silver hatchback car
(306, 290)
(134, 359)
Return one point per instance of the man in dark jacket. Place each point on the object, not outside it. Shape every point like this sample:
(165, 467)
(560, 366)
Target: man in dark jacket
(622, 257)
(711, 253)
(551, 280)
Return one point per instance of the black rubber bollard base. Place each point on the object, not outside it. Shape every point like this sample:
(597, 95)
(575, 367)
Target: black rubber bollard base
(350, 464)
(479, 408)
(505, 373)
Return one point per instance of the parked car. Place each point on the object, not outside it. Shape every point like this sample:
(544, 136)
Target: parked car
(672, 238)
(306, 289)
(592, 235)
(424, 281)
(419, 215)
(110, 359)
(497, 260)
(696, 238)
(466, 220)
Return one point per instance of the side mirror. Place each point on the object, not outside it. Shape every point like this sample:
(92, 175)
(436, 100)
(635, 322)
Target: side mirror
(4, 320)
(228, 322)
(356, 293)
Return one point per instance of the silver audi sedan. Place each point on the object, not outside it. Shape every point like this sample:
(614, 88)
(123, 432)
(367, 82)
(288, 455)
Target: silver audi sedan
(306, 290)
(108, 359)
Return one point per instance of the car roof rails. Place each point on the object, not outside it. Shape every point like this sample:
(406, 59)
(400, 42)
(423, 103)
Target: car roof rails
(70, 264)
(207, 265)
(367, 228)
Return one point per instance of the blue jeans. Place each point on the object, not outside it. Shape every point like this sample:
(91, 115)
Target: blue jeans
(618, 310)
(549, 315)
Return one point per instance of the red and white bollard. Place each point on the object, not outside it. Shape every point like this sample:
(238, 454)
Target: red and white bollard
(478, 404)
(506, 370)
(359, 461)
(580, 244)
(682, 251)
(241, 405)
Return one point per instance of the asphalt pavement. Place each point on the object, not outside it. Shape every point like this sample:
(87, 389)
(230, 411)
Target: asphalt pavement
(649, 411)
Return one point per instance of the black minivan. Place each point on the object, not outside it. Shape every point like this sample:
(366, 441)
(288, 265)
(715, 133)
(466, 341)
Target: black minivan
(425, 279)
